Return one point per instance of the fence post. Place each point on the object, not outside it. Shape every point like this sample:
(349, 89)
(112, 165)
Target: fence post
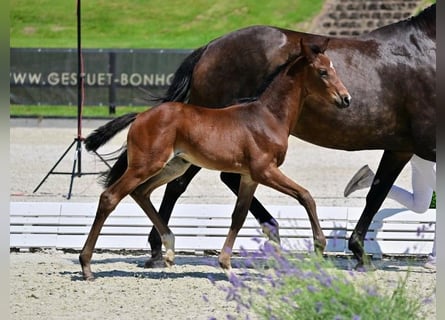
(112, 87)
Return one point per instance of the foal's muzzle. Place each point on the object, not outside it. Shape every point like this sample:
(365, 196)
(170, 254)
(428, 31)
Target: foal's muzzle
(343, 100)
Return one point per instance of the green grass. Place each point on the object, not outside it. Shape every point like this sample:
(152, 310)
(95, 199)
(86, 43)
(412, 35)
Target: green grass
(70, 111)
(140, 24)
(146, 24)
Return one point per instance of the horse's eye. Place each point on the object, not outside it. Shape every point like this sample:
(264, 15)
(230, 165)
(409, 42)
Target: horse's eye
(323, 72)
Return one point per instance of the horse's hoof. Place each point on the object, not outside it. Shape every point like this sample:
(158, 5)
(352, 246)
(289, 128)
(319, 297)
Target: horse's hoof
(360, 267)
(271, 230)
(88, 277)
(155, 263)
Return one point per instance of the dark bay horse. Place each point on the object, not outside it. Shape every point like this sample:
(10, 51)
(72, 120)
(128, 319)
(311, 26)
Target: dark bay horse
(390, 72)
(249, 139)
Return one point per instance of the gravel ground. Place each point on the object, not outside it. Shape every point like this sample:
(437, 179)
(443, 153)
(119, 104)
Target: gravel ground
(47, 284)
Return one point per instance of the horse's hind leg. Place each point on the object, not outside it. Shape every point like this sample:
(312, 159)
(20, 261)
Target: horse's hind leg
(246, 190)
(268, 223)
(107, 203)
(275, 179)
(173, 191)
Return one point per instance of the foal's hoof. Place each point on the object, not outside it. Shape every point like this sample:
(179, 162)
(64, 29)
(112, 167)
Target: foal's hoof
(169, 257)
(225, 264)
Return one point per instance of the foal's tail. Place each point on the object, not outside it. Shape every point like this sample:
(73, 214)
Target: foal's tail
(107, 178)
(179, 89)
(103, 134)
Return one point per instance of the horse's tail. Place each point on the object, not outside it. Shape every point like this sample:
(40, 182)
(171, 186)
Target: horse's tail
(103, 134)
(178, 90)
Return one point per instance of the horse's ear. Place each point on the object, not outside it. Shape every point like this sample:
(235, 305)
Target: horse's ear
(324, 45)
(309, 51)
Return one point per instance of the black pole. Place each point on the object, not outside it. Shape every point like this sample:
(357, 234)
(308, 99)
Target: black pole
(78, 140)
(112, 87)
(80, 76)
(80, 79)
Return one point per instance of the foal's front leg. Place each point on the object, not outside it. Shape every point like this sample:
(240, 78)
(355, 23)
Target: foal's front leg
(246, 190)
(269, 225)
(274, 178)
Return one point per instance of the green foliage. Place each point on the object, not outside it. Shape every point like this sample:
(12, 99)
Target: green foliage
(282, 285)
(146, 24)
(433, 201)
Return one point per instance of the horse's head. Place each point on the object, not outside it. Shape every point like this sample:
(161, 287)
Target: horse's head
(321, 80)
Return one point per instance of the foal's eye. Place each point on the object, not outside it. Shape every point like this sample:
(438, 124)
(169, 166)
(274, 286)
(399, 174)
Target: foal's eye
(323, 72)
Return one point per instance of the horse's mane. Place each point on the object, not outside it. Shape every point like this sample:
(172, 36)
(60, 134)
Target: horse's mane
(424, 20)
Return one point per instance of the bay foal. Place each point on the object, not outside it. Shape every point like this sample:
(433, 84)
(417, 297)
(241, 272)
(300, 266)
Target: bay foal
(248, 138)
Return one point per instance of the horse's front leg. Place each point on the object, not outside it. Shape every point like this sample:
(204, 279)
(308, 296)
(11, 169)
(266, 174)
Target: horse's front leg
(247, 188)
(269, 224)
(389, 169)
(173, 191)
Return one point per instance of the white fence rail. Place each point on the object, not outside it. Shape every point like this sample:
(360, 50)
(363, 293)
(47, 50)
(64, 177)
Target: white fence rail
(204, 227)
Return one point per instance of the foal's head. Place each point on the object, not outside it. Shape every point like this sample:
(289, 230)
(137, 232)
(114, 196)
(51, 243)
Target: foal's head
(320, 79)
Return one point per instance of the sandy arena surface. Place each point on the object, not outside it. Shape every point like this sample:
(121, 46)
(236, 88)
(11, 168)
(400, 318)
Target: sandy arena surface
(48, 285)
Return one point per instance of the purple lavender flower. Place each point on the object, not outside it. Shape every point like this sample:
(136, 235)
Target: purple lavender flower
(311, 288)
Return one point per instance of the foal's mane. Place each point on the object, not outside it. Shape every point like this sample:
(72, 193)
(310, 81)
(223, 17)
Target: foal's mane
(271, 77)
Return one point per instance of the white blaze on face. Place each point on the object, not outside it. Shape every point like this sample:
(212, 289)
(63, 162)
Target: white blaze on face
(331, 65)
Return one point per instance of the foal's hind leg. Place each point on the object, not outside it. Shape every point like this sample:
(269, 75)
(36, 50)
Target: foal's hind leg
(173, 191)
(246, 190)
(173, 169)
(108, 201)
(275, 179)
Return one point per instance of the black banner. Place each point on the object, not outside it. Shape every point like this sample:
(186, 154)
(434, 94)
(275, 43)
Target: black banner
(112, 76)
